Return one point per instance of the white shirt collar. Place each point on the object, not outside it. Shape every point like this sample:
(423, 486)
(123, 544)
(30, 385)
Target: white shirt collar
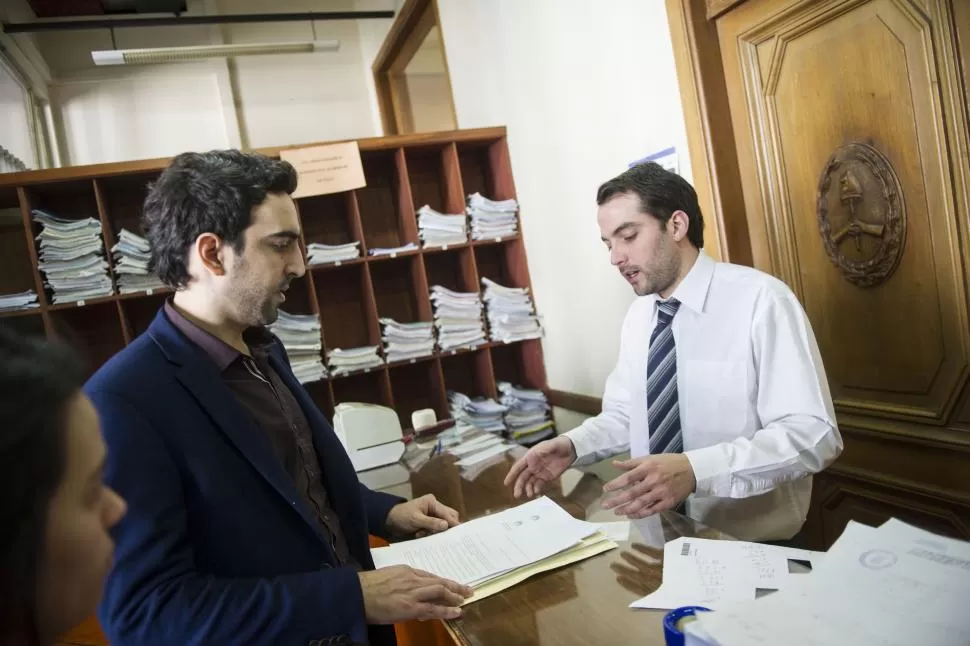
(692, 291)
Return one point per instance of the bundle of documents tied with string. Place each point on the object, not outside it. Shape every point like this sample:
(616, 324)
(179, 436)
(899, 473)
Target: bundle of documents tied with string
(495, 552)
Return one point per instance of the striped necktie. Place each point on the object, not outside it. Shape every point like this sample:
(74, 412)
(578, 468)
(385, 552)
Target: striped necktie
(663, 411)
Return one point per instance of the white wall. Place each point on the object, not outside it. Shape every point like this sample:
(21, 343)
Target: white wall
(133, 112)
(584, 88)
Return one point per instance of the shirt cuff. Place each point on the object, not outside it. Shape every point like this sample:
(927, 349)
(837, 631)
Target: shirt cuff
(583, 444)
(712, 470)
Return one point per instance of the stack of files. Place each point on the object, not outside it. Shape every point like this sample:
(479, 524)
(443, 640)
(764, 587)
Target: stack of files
(478, 449)
(323, 254)
(511, 314)
(495, 552)
(528, 412)
(491, 219)
(346, 361)
(406, 341)
(440, 230)
(300, 334)
(132, 255)
(483, 414)
(22, 301)
(458, 318)
(392, 251)
(72, 258)
(894, 585)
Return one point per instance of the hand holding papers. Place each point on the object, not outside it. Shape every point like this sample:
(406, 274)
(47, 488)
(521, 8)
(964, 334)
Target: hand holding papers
(494, 552)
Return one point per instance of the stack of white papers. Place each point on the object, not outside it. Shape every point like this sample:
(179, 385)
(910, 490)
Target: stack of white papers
(491, 219)
(495, 552)
(345, 361)
(392, 251)
(528, 410)
(404, 341)
(439, 230)
(458, 318)
(322, 254)
(483, 414)
(72, 258)
(892, 586)
(511, 314)
(132, 254)
(300, 334)
(706, 572)
(22, 301)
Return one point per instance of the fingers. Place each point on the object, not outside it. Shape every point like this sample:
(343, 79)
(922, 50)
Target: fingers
(636, 470)
(631, 493)
(446, 513)
(454, 586)
(653, 553)
(644, 506)
(439, 595)
(517, 468)
(428, 611)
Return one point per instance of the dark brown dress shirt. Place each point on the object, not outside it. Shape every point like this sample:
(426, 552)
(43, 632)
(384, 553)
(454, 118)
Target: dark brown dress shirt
(276, 411)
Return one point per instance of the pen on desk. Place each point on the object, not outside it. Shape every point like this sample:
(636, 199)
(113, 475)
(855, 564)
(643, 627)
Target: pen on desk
(437, 448)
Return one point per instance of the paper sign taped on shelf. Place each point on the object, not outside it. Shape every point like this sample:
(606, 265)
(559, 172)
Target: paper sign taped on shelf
(330, 168)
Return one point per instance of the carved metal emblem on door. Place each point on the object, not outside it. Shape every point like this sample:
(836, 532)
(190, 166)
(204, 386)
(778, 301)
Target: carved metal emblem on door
(861, 214)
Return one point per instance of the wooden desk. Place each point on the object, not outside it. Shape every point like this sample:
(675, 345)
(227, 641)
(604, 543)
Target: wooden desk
(582, 604)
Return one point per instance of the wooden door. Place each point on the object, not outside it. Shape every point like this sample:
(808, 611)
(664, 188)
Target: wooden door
(850, 127)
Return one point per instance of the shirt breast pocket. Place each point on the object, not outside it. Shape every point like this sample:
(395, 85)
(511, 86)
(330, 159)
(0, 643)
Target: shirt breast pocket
(715, 398)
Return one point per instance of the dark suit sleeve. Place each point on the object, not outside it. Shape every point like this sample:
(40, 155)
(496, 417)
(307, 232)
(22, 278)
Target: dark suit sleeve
(154, 595)
(378, 505)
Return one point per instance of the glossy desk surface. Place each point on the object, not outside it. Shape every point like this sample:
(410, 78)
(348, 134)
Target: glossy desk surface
(585, 603)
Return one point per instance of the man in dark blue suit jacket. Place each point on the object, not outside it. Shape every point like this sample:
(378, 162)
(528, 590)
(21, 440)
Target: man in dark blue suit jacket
(246, 521)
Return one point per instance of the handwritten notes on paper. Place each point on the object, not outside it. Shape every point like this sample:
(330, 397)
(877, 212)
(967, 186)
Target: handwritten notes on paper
(330, 168)
(706, 572)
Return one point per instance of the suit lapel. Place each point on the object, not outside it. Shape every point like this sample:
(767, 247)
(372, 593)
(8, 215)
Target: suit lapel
(204, 383)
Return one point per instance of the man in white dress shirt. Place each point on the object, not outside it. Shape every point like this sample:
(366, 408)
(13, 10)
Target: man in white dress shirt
(719, 392)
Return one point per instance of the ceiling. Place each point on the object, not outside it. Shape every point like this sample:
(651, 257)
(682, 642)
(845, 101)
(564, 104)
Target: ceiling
(75, 8)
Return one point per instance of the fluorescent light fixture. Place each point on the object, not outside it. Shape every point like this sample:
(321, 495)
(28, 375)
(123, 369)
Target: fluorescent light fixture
(197, 52)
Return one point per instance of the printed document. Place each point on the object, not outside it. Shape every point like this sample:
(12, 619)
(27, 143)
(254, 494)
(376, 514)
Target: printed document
(705, 572)
(482, 549)
(895, 585)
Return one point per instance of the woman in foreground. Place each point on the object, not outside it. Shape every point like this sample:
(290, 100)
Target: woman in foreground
(55, 512)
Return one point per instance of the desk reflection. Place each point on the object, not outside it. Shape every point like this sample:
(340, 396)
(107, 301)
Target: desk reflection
(580, 604)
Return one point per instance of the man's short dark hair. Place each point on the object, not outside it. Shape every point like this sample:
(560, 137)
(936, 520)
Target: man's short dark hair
(661, 193)
(211, 192)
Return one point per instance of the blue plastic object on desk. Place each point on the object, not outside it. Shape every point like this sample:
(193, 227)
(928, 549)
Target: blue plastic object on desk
(674, 636)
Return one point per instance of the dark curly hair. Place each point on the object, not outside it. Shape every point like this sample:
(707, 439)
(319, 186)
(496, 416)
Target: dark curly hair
(37, 381)
(211, 192)
(661, 193)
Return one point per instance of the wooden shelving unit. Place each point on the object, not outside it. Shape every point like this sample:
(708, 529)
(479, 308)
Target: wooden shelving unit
(402, 173)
